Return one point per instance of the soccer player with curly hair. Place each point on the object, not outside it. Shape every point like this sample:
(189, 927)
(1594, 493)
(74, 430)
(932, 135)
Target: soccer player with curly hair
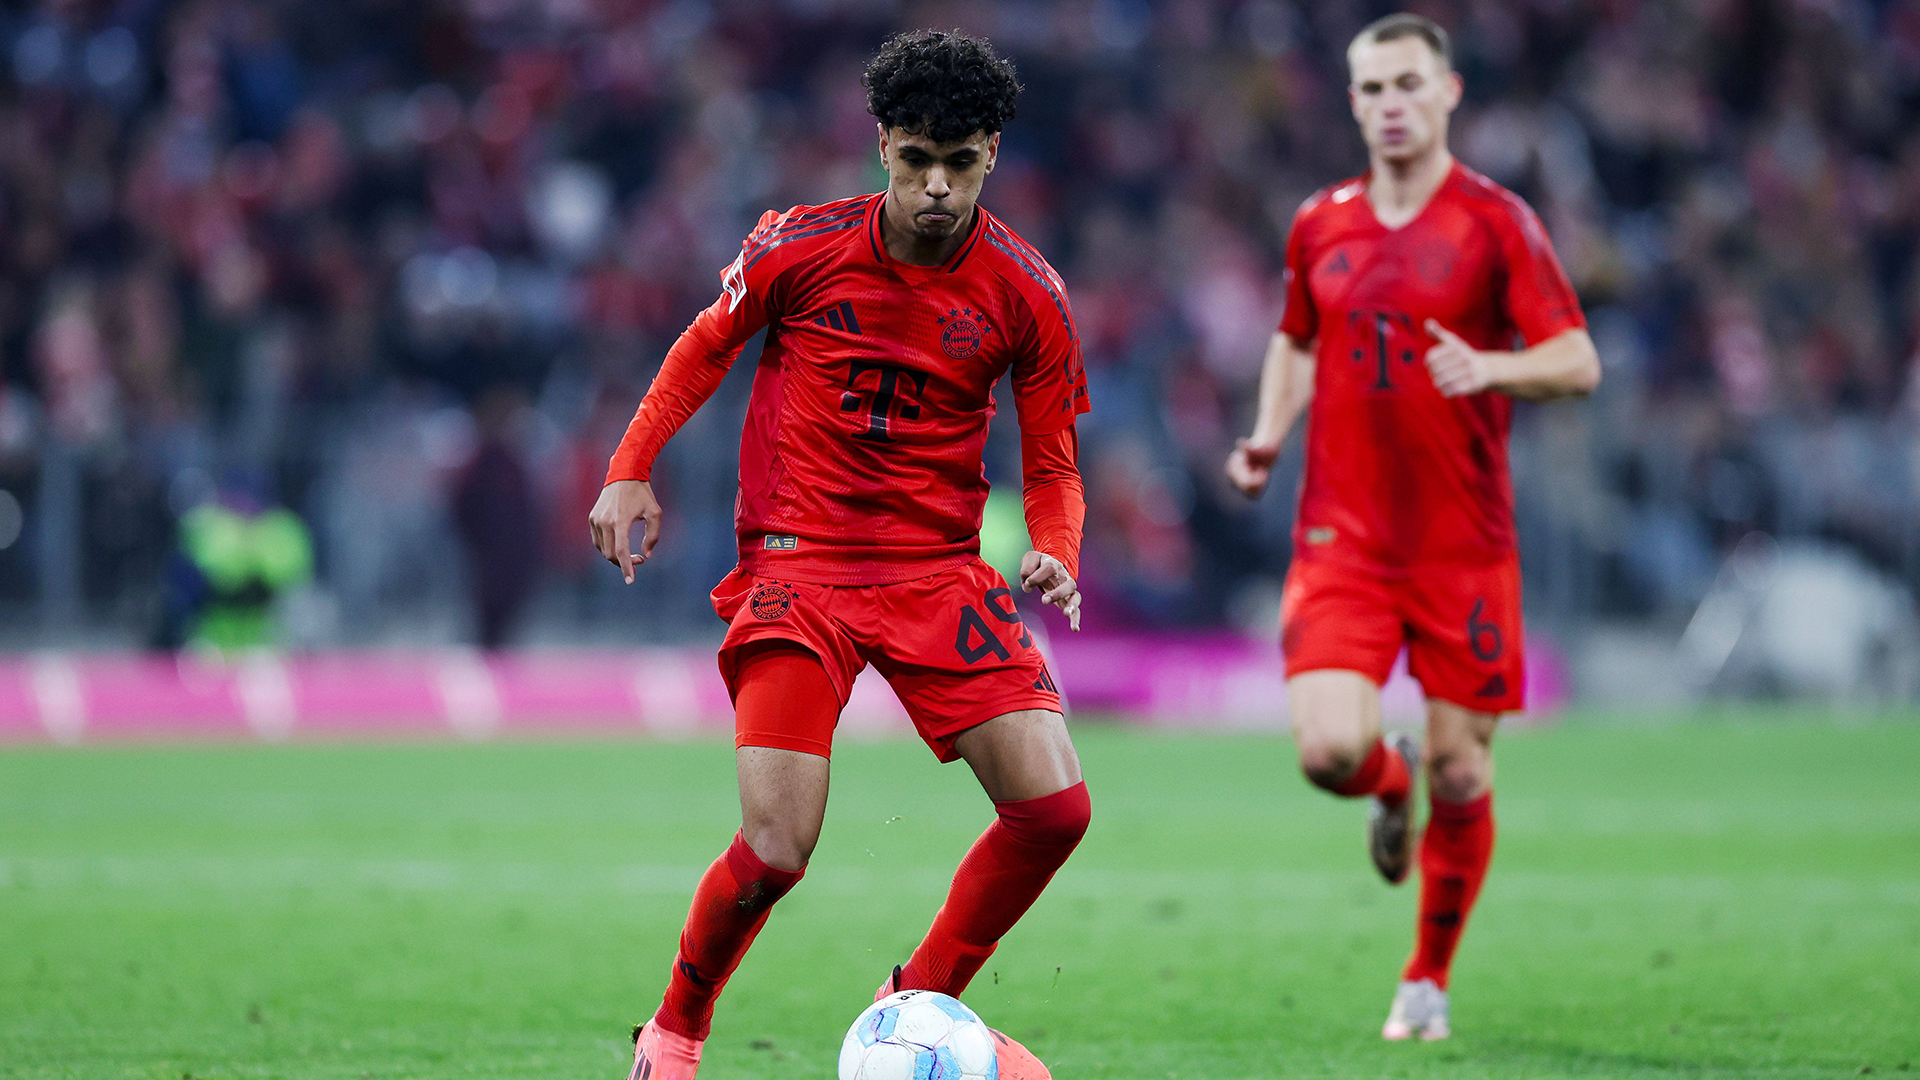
(889, 319)
(1422, 299)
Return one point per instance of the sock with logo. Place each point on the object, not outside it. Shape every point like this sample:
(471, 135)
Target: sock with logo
(1454, 855)
(730, 905)
(1000, 878)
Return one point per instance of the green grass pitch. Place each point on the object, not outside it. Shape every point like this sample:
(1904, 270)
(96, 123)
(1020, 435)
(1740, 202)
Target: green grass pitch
(1711, 899)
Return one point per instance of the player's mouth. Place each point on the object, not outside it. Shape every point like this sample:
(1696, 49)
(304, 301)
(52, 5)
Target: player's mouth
(1393, 134)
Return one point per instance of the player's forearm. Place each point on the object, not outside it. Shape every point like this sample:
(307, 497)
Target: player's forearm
(1565, 365)
(692, 371)
(1053, 496)
(1286, 387)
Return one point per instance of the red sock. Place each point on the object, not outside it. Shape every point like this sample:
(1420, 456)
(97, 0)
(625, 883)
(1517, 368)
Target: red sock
(997, 882)
(1453, 862)
(731, 904)
(1382, 773)
(782, 691)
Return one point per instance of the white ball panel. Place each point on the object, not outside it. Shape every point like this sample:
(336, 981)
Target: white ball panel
(972, 1047)
(918, 1029)
(887, 1061)
(922, 1023)
(850, 1054)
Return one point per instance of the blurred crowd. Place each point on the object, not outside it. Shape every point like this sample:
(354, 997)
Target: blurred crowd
(405, 267)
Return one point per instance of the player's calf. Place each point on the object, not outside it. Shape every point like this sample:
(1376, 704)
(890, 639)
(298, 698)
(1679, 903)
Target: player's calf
(1000, 878)
(730, 905)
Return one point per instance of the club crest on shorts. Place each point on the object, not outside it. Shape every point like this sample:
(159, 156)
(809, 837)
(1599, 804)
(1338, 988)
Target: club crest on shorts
(770, 601)
(963, 331)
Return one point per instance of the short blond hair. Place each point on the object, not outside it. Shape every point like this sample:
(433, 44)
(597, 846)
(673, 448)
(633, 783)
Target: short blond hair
(1405, 24)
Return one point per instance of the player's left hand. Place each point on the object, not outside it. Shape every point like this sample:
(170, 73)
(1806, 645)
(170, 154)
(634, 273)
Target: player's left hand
(1038, 570)
(1457, 368)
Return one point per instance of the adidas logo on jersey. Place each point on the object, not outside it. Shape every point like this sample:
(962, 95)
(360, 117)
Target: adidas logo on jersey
(840, 318)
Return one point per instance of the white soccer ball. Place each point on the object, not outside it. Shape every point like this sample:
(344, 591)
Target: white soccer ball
(918, 1035)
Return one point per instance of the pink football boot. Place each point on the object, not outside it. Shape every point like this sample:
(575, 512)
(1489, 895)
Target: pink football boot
(659, 1054)
(1016, 1061)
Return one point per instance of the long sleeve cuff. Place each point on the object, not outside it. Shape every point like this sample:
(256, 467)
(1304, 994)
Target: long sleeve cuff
(1052, 494)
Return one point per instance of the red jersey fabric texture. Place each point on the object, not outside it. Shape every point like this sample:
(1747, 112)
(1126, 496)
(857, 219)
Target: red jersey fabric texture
(860, 463)
(1054, 500)
(1461, 626)
(1399, 477)
(952, 645)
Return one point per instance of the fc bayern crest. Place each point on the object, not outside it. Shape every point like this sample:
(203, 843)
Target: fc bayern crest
(963, 331)
(770, 601)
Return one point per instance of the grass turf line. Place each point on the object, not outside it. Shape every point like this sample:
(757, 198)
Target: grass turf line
(1722, 899)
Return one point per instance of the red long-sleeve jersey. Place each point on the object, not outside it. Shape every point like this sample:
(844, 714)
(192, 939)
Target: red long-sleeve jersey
(860, 463)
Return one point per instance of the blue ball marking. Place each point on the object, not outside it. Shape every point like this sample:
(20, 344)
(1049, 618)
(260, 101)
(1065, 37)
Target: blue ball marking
(879, 1026)
(939, 1064)
(955, 1010)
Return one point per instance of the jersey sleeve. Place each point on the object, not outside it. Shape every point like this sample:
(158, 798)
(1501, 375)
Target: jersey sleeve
(1049, 380)
(1300, 320)
(749, 284)
(698, 361)
(1538, 298)
(1052, 494)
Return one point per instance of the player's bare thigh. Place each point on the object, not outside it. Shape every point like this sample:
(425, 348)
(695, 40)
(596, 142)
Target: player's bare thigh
(783, 799)
(1459, 755)
(1021, 755)
(1336, 717)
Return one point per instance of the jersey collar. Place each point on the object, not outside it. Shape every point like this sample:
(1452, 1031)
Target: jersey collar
(1446, 183)
(877, 246)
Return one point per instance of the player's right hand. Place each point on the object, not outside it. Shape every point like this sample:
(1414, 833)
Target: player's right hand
(622, 503)
(1250, 466)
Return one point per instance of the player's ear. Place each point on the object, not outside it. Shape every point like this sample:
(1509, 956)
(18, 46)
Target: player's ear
(882, 128)
(993, 150)
(1456, 88)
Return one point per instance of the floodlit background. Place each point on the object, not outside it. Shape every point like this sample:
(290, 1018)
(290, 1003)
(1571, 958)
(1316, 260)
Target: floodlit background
(319, 320)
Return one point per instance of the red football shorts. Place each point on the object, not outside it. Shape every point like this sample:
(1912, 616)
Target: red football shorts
(951, 645)
(1460, 624)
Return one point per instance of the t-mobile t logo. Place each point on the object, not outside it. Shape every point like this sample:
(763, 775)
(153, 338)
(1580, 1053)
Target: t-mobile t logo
(880, 400)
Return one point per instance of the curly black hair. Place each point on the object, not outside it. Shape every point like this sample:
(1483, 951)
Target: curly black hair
(942, 84)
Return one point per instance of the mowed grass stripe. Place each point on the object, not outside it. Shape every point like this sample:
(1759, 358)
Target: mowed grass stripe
(201, 875)
(1721, 899)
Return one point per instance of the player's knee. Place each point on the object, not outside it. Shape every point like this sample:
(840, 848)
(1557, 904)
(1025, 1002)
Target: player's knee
(1055, 821)
(780, 844)
(1328, 763)
(1459, 776)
